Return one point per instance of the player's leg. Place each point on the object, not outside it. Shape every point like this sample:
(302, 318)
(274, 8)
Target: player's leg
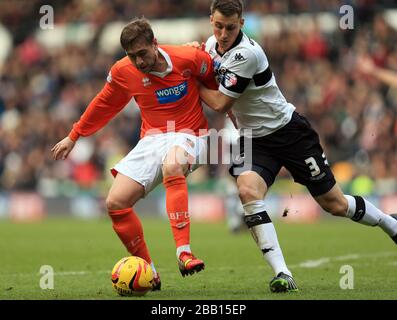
(357, 209)
(252, 190)
(310, 168)
(233, 205)
(136, 175)
(175, 167)
(123, 195)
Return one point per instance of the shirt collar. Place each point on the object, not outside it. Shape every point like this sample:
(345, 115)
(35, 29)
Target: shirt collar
(235, 43)
(169, 65)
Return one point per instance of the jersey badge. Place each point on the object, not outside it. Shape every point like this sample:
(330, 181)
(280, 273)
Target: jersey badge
(203, 68)
(230, 79)
(186, 73)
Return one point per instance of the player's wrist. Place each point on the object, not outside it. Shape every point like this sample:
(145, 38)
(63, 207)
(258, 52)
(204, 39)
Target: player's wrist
(73, 135)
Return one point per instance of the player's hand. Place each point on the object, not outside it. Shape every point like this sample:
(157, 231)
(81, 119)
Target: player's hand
(62, 149)
(195, 44)
(232, 117)
(365, 65)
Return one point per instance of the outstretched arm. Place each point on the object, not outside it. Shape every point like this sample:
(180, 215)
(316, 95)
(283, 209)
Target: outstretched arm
(99, 112)
(367, 66)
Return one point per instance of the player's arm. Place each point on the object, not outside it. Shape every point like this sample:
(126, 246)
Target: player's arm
(209, 93)
(235, 76)
(100, 111)
(367, 66)
(216, 100)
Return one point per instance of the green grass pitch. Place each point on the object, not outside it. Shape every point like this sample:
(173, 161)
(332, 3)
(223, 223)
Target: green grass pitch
(82, 253)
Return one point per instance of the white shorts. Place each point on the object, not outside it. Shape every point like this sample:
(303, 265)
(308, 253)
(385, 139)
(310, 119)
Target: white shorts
(144, 163)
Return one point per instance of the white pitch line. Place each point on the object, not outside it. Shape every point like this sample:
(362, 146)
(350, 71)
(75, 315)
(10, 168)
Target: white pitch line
(312, 263)
(62, 273)
(353, 256)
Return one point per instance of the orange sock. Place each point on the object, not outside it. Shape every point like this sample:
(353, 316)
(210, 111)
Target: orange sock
(177, 208)
(129, 229)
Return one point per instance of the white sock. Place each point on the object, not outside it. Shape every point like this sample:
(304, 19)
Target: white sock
(180, 249)
(371, 215)
(265, 235)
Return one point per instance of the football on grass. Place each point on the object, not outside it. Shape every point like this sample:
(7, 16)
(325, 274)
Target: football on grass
(132, 276)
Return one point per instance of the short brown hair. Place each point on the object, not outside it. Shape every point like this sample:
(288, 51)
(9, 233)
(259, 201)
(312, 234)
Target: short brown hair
(138, 28)
(227, 7)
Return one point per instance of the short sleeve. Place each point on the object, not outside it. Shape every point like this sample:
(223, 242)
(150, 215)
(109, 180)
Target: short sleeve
(237, 72)
(204, 69)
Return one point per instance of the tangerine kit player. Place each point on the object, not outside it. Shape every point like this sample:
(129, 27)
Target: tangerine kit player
(162, 80)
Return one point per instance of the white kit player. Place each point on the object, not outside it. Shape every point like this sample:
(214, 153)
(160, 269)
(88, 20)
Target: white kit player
(272, 135)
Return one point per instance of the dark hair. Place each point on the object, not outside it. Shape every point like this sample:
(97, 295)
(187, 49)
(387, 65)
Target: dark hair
(137, 29)
(227, 7)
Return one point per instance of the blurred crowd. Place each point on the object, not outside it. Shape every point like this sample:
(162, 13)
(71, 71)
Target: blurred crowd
(21, 16)
(42, 93)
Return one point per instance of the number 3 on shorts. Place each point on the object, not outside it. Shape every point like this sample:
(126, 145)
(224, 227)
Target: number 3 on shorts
(313, 167)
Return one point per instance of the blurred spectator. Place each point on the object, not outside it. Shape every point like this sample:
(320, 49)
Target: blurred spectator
(367, 66)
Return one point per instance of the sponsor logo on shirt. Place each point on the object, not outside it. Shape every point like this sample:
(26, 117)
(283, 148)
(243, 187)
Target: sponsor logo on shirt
(216, 64)
(146, 82)
(172, 94)
(239, 57)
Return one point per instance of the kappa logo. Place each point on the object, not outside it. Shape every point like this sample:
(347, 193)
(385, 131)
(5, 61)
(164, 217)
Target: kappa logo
(239, 57)
(266, 250)
(254, 218)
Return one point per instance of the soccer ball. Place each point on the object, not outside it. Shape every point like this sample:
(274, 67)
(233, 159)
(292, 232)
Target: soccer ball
(132, 276)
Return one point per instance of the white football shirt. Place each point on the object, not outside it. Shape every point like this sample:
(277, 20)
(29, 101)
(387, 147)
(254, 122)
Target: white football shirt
(243, 72)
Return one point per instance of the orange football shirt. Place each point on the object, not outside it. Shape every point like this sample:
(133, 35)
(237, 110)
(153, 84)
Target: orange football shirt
(173, 97)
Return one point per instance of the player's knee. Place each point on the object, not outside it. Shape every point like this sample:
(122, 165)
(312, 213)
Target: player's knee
(172, 170)
(116, 204)
(248, 193)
